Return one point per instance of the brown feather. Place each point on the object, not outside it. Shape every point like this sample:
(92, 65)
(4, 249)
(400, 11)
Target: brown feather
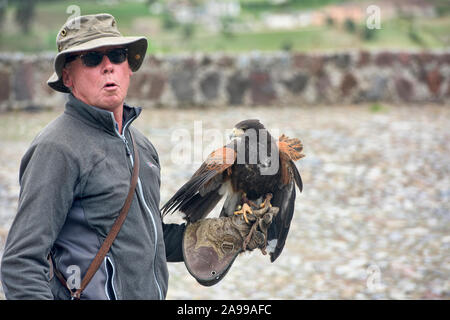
(290, 150)
(219, 160)
(291, 147)
(203, 186)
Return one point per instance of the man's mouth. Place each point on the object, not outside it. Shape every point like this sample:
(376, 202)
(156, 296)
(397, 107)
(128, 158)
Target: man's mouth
(110, 85)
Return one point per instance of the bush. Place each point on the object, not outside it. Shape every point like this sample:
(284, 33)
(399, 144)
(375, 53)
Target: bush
(330, 21)
(188, 31)
(25, 14)
(168, 22)
(350, 25)
(368, 34)
(287, 45)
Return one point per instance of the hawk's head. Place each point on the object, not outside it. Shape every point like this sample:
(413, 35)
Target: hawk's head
(240, 128)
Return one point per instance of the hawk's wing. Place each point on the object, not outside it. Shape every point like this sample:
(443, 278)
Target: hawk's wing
(198, 196)
(284, 197)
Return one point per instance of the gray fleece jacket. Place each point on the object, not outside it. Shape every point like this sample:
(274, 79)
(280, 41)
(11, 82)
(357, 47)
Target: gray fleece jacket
(74, 179)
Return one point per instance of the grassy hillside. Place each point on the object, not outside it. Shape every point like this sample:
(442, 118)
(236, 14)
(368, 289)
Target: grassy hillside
(135, 18)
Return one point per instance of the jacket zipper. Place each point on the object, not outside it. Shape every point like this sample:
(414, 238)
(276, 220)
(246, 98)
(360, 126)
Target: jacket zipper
(141, 196)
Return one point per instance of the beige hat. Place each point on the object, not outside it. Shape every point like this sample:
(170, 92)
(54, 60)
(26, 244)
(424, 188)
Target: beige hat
(90, 32)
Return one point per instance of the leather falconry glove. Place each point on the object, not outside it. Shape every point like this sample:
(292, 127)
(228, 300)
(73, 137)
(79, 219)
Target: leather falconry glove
(210, 246)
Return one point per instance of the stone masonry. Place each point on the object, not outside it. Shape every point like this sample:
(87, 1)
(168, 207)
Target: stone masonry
(257, 78)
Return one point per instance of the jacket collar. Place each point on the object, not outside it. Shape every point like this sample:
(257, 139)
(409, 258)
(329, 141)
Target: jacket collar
(100, 118)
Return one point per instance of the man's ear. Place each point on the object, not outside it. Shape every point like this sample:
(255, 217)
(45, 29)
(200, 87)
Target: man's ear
(66, 78)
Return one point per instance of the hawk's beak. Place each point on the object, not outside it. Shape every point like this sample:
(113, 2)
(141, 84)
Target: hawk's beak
(235, 133)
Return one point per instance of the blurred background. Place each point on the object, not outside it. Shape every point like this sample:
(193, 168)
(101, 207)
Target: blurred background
(364, 84)
(236, 26)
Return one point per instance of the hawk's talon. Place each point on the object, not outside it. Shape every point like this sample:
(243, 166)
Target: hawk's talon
(247, 201)
(267, 201)
(244, 211)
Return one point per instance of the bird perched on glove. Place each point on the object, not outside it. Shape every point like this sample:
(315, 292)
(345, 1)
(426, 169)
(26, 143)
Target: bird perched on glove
(254, 171)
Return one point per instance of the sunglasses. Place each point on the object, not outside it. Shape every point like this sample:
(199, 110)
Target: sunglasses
(94, 58)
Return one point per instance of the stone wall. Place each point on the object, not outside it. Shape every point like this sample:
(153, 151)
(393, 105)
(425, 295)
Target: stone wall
(251, 79)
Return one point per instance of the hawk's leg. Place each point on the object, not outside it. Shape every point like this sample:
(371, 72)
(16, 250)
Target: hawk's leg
(244, 211)
(249, 236)
(266, 204)
(267, 201)
(263, 221)
(248, 201)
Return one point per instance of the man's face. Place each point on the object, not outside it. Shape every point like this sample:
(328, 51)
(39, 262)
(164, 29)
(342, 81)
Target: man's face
(104, 86)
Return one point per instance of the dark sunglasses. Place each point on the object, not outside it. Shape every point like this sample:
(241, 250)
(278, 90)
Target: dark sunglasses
(94, 58)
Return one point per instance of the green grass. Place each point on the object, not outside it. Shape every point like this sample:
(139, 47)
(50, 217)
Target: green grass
(50, 16)
(264, 41)
(432, 33)
(378, 108)
(124, 11)
(392, 35)
(256, 7)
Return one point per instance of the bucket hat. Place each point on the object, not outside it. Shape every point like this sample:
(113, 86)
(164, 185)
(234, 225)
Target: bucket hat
(90, 32)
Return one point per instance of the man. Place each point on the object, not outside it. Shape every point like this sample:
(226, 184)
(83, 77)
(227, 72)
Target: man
(75, 178)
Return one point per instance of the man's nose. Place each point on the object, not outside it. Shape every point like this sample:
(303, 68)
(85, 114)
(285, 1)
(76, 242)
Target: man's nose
(107, 65)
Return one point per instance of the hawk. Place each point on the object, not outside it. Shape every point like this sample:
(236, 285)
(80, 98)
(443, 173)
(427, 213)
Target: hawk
(253, 171)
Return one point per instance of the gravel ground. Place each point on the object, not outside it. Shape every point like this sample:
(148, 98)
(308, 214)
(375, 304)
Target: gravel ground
(373, 221)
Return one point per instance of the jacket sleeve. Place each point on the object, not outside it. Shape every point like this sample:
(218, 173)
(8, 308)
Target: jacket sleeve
(48, 176)
(173, 240)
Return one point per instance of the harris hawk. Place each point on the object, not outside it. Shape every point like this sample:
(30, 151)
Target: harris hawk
(252, 170)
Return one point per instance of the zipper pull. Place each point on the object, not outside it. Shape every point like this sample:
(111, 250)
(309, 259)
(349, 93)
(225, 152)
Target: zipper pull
(127, 147)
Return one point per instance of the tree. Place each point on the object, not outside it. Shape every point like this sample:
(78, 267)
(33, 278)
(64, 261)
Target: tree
(350, 25)
(368, 34)
(226, 26)
(25, 12)
(3, 7)
(188, 31)
(168, 21)
(330, 21)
